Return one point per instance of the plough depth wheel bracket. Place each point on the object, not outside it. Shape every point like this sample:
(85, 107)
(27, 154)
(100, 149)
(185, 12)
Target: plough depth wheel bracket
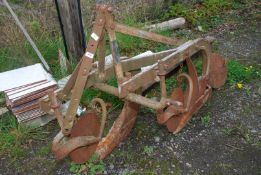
(80, 138)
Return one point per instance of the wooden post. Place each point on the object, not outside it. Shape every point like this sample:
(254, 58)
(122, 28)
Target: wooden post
(69, 14)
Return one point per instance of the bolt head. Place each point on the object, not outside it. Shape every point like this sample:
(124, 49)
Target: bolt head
(110, 9)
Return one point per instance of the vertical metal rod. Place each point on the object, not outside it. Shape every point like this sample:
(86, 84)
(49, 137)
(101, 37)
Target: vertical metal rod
(161, 75)
(56, 107)
(116, 56)
(101, 57)
(27, 35)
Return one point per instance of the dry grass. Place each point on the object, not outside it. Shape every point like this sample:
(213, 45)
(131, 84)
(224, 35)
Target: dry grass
(40, 19)
(139, 10)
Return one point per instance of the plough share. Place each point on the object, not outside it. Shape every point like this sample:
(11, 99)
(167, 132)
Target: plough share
(81, 137)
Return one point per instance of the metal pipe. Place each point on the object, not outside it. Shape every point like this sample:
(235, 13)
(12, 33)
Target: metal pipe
(146, 101)
(107, 88)
(162, 75)
(133, 97)
(145, 34)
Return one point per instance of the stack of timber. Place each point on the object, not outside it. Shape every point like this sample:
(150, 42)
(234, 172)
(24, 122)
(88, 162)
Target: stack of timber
(23, 88)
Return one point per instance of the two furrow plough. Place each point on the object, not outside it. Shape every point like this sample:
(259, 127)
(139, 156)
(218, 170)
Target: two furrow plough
(81, 137)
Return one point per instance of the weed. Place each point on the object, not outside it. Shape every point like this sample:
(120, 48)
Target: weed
(238, 73)
(148, 150)
(206, 119)
(92, 167)
(170, 84)
(75, 168)
(178, 10)
(216, 20)
(225, 165)
(248, 91)
(227, 131)
(89, 94)
(198, 63)
(15, 138)
(95, 167)
(45, 150)
(205, 13)
(239, 130)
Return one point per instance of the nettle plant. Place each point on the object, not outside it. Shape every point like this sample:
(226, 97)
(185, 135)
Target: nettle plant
(91, 167)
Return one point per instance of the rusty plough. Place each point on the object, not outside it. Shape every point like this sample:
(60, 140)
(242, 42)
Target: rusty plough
(82, 137)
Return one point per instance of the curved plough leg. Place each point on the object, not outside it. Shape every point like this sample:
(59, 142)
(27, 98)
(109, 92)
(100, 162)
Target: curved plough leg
(218, 71)
(120, 129)
(193, 98)
(85, 136)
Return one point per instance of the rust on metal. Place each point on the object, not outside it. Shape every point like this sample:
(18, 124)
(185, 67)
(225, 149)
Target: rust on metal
(120, 129)
(83, 137)
(218, 71)
(88, 125)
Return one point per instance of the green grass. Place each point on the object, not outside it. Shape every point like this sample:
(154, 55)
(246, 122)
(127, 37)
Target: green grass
(91, 167)
(206, 13)
(239, 73)
(239, 130)
(90, 94)
(24, 55)
(49, 49)
(148, 150)
(2, 96)
(14, 138)
(10, 60)
(132, 46)
(45, 150)
(205, 119)
(18, 52)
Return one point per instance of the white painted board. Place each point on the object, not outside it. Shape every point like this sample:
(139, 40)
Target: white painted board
(22, 77)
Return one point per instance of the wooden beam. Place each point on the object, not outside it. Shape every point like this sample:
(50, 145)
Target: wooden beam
(146, 35)
(71, 25)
